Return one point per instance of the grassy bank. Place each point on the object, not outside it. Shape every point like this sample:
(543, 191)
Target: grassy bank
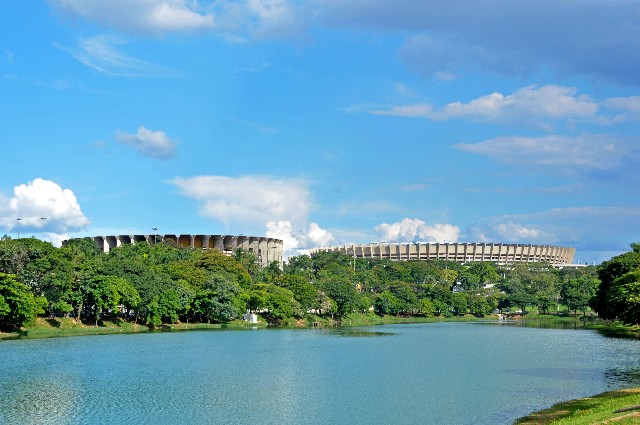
(620, 407)
(63, 327)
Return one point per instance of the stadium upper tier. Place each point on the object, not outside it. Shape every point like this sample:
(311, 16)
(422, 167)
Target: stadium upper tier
(267, 250)
(499, 253)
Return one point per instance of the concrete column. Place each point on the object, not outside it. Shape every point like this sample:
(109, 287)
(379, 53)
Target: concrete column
(102, 244)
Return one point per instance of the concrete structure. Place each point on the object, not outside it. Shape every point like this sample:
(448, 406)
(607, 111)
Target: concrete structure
(459, 252)
(267, 250)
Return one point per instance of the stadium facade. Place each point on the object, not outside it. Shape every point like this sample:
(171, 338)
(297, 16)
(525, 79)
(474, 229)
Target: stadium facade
(498, 253)
(267, 250)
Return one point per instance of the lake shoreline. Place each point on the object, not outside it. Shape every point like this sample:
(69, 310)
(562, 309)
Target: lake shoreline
(612, 406)
(67, 327)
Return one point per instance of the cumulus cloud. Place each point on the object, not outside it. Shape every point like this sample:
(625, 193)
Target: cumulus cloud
(42, 206)
(509, 232)
(154, 144)
(531, 104)
(628, 107)
(140, 16)
(103, 54)
(295, 241)
(248, 200)
(564, 153)
(408, 229)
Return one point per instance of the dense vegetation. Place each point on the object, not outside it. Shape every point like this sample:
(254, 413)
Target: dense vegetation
(618, 295)
(161, 283)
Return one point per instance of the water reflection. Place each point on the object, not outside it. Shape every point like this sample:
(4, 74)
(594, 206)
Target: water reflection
(356, 333)
(622, 377)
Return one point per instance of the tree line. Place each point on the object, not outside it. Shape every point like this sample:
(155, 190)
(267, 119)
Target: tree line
(159, 283)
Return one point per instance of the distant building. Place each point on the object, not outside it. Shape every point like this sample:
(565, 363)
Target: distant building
(267, 250)
(499, 253)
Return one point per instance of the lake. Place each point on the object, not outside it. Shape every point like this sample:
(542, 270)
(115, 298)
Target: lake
(432, 373)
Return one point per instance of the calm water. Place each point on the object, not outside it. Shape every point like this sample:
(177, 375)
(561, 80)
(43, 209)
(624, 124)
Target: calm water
(439, 373)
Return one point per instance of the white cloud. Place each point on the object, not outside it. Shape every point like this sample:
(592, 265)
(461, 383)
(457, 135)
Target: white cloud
(140, 16)
(509, 232)
(408, 229)
(234, 20)
(154, 144)
(565, 153)
(102, 53)
(531, 104)
(42, 206)
(294, 241)
(629, 106)
(248, 200)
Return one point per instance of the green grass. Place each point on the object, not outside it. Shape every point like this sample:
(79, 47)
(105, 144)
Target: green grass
(615, 407)
(57, 327)
(62, 327)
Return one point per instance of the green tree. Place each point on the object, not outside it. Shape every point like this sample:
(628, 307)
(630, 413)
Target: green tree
(405, 293)
(624, 297)
(578, 287)
(305, 293)
(386, 303)
(459, 303)
(426, 307)
(342, 292)
(18, 306)
(301, 265)
(608, 272)
(216, 262)
(217, 301)
(479, 306)
(275, 302)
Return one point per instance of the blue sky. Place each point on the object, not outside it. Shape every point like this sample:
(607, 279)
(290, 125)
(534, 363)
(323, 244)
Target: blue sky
(323, 122)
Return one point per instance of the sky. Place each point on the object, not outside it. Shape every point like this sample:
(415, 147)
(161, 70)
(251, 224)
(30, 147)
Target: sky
(323, 122)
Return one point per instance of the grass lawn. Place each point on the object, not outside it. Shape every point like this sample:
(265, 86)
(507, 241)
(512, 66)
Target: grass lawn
(620, 407)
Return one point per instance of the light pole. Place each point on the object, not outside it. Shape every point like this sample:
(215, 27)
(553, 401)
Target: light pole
(155, 229)
(18, 220)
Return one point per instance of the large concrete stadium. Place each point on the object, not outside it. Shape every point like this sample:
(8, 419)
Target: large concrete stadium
(498, 253)
(267, 250)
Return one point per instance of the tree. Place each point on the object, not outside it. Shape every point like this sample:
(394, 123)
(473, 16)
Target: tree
(18, 306)
(216, 262)
(248, 260)
(342, 292)
(275, 302)
(217, 301)
(522, 299)
(301, 265)
(624, 297)
(577, 289)
(36, 264)
(608, 272)
(304, 292)
(479, 306)
(459, 303)
(386, 303)
(426, 307)
(406, 296)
